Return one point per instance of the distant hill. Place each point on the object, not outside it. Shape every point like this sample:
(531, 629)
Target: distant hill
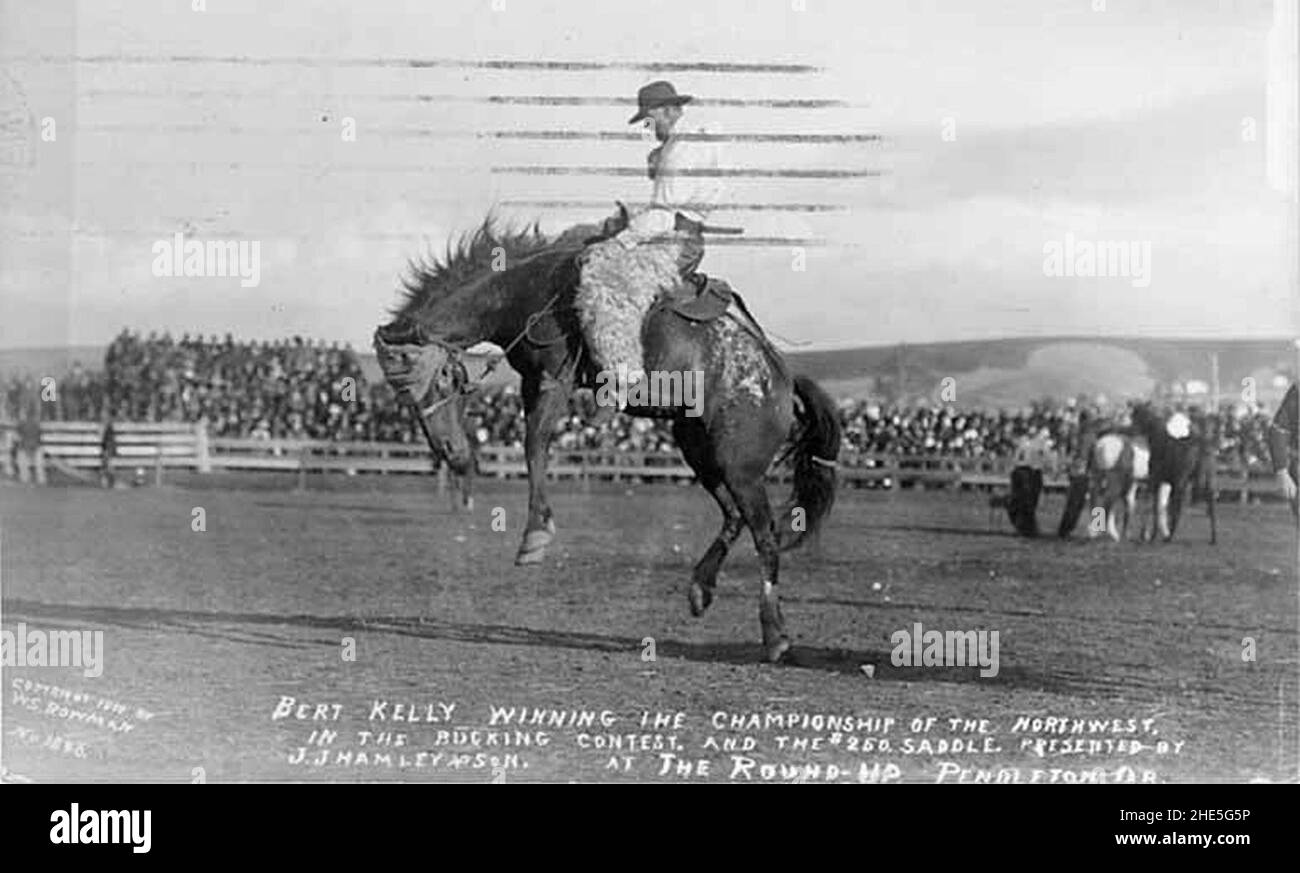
(1013, 372)
(985, 373)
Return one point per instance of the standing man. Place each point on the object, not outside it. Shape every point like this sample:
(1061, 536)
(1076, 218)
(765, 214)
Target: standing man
(107, 454)
(30, 455)
(1033, 454)
(662, 244)
(1282, 446)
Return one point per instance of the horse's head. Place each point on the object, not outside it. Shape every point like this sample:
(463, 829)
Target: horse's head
(430, 377)
(1144, 418)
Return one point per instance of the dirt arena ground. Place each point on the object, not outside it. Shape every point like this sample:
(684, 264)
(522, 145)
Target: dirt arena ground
(361, 630)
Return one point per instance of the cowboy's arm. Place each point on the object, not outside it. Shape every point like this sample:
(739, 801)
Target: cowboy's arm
(686, 182)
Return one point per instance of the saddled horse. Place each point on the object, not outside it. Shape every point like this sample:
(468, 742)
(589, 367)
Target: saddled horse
(1116, 464)
(516, 289)
(1182, 463)
(1172, 455)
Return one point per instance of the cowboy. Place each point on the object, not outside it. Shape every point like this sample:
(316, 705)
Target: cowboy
(682, 190)
(661, 245)
(1033, 453)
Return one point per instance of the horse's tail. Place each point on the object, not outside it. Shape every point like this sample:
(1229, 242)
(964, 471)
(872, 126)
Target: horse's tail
(814, 455)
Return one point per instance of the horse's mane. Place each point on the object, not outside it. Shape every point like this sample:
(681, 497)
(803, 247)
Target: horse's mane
(431, 277)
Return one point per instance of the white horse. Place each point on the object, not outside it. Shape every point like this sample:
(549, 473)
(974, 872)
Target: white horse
(1117, 465)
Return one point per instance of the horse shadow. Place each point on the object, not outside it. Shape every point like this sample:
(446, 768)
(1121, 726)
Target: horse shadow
(252, 628)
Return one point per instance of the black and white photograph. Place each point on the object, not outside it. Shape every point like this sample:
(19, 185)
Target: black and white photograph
(689, 392)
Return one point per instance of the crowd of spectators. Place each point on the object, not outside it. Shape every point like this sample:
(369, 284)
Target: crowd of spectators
(303, 389)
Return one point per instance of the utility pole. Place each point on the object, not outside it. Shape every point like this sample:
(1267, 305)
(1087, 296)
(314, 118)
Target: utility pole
(899, 377)
(1214, 381)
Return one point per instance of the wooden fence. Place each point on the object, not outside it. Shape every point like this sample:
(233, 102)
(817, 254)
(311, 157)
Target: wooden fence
(159, 447)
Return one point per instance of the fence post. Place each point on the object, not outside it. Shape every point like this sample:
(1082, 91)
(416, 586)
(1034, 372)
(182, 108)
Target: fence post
(302, 468)
(203, 461)
(442, 476)
(895, 468)
(158, 464)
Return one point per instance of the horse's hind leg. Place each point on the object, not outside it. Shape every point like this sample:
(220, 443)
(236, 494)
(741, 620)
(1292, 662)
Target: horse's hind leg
(1115, 494)
(751, 499)
(1130, 510)
(705, 576)
(690, 440)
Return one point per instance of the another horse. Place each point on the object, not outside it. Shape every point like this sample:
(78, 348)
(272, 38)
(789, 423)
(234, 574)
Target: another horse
(516, 289)
(1108, 469)
(1182, 461)
(1119, 464)
(1172, 455)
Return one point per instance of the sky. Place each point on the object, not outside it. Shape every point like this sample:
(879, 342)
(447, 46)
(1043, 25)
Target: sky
(1003, 128)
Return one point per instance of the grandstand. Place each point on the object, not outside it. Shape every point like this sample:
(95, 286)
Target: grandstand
(304, 394)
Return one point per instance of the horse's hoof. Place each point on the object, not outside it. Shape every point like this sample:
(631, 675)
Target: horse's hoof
(776, 652)
(700, 598)
(533, 549)
(530, 556)
(537, 539)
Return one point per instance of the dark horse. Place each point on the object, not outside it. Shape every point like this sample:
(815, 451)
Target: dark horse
(1173, 455)
(516, 289)
(1182, 462)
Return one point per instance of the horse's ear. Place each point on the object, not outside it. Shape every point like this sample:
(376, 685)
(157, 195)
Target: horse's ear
(622, 210)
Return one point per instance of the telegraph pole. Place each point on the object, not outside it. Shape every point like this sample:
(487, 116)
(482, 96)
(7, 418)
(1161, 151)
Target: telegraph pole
(899, 393)
(1214, 381)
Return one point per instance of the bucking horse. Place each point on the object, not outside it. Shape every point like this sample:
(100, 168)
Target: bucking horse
(515, 289)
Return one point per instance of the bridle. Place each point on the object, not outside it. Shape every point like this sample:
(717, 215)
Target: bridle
(462, 384)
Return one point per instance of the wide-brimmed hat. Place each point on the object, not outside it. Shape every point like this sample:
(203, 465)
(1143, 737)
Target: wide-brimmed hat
(657, 94)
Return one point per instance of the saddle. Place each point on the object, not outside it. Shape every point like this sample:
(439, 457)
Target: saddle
(704, 298)
(708, 298)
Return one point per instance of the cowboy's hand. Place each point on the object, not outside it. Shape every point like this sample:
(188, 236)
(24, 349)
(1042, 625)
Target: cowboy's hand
(1288, 484)
(627, 238)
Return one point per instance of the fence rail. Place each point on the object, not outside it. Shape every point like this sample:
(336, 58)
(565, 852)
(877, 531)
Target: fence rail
(188, 446)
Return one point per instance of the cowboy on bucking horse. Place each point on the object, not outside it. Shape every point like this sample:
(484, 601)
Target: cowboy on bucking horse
(660, 246)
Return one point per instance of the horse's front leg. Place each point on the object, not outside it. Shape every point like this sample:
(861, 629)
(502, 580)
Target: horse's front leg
(545, 400)
(1162, 495)
(1175, 508)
